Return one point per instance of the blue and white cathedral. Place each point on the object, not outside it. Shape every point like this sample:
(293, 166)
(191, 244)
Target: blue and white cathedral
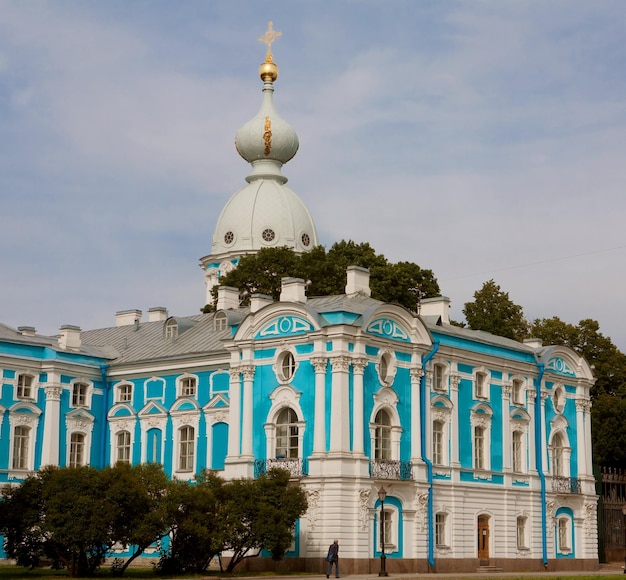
(479, 446)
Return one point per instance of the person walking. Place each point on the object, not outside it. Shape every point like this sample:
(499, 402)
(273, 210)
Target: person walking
(333, 558)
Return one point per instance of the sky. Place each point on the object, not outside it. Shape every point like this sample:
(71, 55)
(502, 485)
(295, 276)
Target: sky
(480, 139)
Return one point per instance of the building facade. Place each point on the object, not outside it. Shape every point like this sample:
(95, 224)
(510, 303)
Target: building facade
(482, 444)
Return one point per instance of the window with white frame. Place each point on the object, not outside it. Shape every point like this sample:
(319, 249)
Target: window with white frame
(25, 386)
(171, 328)
(522, 533)
(386, 524)
(77, 450)
(517, 391)
(21, 447)
(287, 441)
(558, 455)
(564, 534)
(439, 376)
(125, 393)
(517, 451)
(79, 394)
(220, 321)
(286, 366)
(441, 539)
(438, 442)
(382, 435)
(479, 447)
(188, 386)
(186, 446)
(480, 385)
(122, 446)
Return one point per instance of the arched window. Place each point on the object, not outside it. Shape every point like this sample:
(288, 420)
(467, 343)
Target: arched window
(186, 444)
(21, 447)
(438, 442)
(286, 366)
(123, 446)
(287, 434)
(77, 450)
(382, 435)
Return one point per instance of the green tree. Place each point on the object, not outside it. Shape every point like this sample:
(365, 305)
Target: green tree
(325, 273)
(260, 514)
(493, 311)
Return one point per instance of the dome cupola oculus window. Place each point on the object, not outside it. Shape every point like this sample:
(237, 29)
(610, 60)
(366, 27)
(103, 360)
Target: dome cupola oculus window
(306, 240)
(268, 235)
(386, 368)
(229, 237)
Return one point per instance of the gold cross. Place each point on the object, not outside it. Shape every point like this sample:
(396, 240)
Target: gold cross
(269, 37)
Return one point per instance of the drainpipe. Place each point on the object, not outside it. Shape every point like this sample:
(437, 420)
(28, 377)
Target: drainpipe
(105, 407)
(539, 459)
(428, 462)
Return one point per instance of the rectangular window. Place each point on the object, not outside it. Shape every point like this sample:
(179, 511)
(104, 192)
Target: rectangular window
(521, 533)
(125, 393)
(479, 448)
(123, 446)
(517, 452)
(517, 392)
(77, 449)
(188, 387)
(386, 529)
(438, 377)
(440, 529)
(24, 387)
(563, 529)
(481, 385)
(79, 395)
(21, 443)
(186, 447)
(438, 443)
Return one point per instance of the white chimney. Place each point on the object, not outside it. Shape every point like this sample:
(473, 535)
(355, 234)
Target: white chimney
(258, 301)
(227, 298)
(127, 317)
(27, 330)
(293, 290)
(70, 337)
(437, 306)
(358, 281)
(157, 314)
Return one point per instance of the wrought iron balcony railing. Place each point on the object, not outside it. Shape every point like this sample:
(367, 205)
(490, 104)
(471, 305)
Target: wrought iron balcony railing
(295, 467)
(566, 485)
(391, 469)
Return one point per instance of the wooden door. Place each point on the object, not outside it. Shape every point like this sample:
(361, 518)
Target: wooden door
(483, 537)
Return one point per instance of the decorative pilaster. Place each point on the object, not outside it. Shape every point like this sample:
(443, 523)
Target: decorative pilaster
(544, 440)
(320, 365)
(583, 445)
(247, 427)
(358, 366)
(234, 422)
(455, 381)
(340, 406)
(51, 424)
(416, 417)
(507, 443)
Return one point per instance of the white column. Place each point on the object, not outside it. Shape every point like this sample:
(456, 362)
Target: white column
(507, 459)
(416, 419)
(51, 423)
(455, 380)
(581, 440)
(319, 420)
(246, 427)
(234, 420)
(358, 366)
(544, 440)
(532, 446)
(340, 408)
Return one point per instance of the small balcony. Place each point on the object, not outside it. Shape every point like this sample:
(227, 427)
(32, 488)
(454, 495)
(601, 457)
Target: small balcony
(295, 467)
(566, 485)
(391, 469)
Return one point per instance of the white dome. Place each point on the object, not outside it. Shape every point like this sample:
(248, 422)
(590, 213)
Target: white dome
(265, 213)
